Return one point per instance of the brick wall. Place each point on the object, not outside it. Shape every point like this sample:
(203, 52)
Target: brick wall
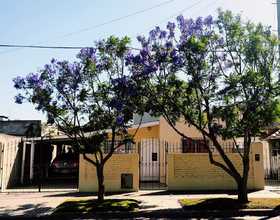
(118, 164)
(193, 171)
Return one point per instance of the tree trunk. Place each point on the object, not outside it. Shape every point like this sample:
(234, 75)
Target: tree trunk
(242, 183)
(101, 187)
(242, 191)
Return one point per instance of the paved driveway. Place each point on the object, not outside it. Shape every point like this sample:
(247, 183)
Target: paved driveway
(40, 204)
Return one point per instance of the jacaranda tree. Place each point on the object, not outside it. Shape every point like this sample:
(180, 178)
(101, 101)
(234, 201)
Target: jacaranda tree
(91, 100)
(216, 75)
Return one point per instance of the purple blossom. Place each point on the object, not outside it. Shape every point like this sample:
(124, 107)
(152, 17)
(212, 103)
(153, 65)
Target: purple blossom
(53, 60)
(87, 53)
(168, 45)
(162, 34)
(121, 81)
(149, 68)
(157, 30)
(19, 82)
(117, 104)
(99, 67)
(177, 59)
(120, 120)
(171, 35)
(181, 21)
(49, 70)
(19, 99)
(198, 25)
(74, 69)
(190, 28)
(144, 52)
(60, 84)
(137, 59)
(153, 35)
(221, 41)
(129, 58)
(173, 53)
(171, 26)
(142, 40)
(162, 57)
(33, 79)
(208, 21)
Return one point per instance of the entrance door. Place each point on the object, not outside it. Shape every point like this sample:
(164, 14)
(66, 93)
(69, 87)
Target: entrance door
(150, 160)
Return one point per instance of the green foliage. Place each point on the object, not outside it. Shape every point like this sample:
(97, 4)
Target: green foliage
(77, 207)
(229, 204)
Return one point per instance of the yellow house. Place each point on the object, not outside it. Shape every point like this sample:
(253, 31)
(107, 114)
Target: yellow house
(161, 159)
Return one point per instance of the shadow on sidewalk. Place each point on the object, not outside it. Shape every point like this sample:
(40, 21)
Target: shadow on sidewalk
(26, 210)
(85, 194)
(190, 192)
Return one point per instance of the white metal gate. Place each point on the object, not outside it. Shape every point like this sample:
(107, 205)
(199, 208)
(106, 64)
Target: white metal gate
(150, 160)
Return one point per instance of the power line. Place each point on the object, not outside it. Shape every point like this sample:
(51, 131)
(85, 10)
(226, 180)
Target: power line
(118, 19)
(18, 47)
(50, 47)
(177, 13)
(39, 46)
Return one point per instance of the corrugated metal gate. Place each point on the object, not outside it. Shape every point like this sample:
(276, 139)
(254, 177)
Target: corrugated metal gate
(152, 164)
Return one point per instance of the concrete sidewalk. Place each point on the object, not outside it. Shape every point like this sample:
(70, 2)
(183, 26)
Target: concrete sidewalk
(160, 199)
(41, 204)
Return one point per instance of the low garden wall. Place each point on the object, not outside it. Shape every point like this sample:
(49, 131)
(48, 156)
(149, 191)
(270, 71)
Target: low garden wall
(193, 171)
(116, 168)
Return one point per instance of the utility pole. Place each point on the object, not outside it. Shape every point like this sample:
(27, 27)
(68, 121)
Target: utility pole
(278, 20)
(278, 17)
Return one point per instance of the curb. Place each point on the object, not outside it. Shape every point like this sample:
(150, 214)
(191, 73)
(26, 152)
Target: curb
(173, 213)
(160, 213)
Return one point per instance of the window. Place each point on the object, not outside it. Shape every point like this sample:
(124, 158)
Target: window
(194, 146)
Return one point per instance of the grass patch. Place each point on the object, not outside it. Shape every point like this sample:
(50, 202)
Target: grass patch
(229, 204)
(92, 205)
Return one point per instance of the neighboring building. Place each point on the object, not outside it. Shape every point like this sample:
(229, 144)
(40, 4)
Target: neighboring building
(272, 157)
(21, 128)
(12, 152)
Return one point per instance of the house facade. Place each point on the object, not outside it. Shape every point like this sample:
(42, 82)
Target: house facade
(160, 158)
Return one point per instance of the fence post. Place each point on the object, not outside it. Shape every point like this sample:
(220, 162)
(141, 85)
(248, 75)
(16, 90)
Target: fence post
(257, 162)
(23, 162)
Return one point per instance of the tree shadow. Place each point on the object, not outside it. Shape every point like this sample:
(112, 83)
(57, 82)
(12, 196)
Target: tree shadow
(191, 192)
(177, 213)
(86, 194)
(26, 211)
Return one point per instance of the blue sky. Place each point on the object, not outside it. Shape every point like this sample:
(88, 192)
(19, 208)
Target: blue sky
(49, 22)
